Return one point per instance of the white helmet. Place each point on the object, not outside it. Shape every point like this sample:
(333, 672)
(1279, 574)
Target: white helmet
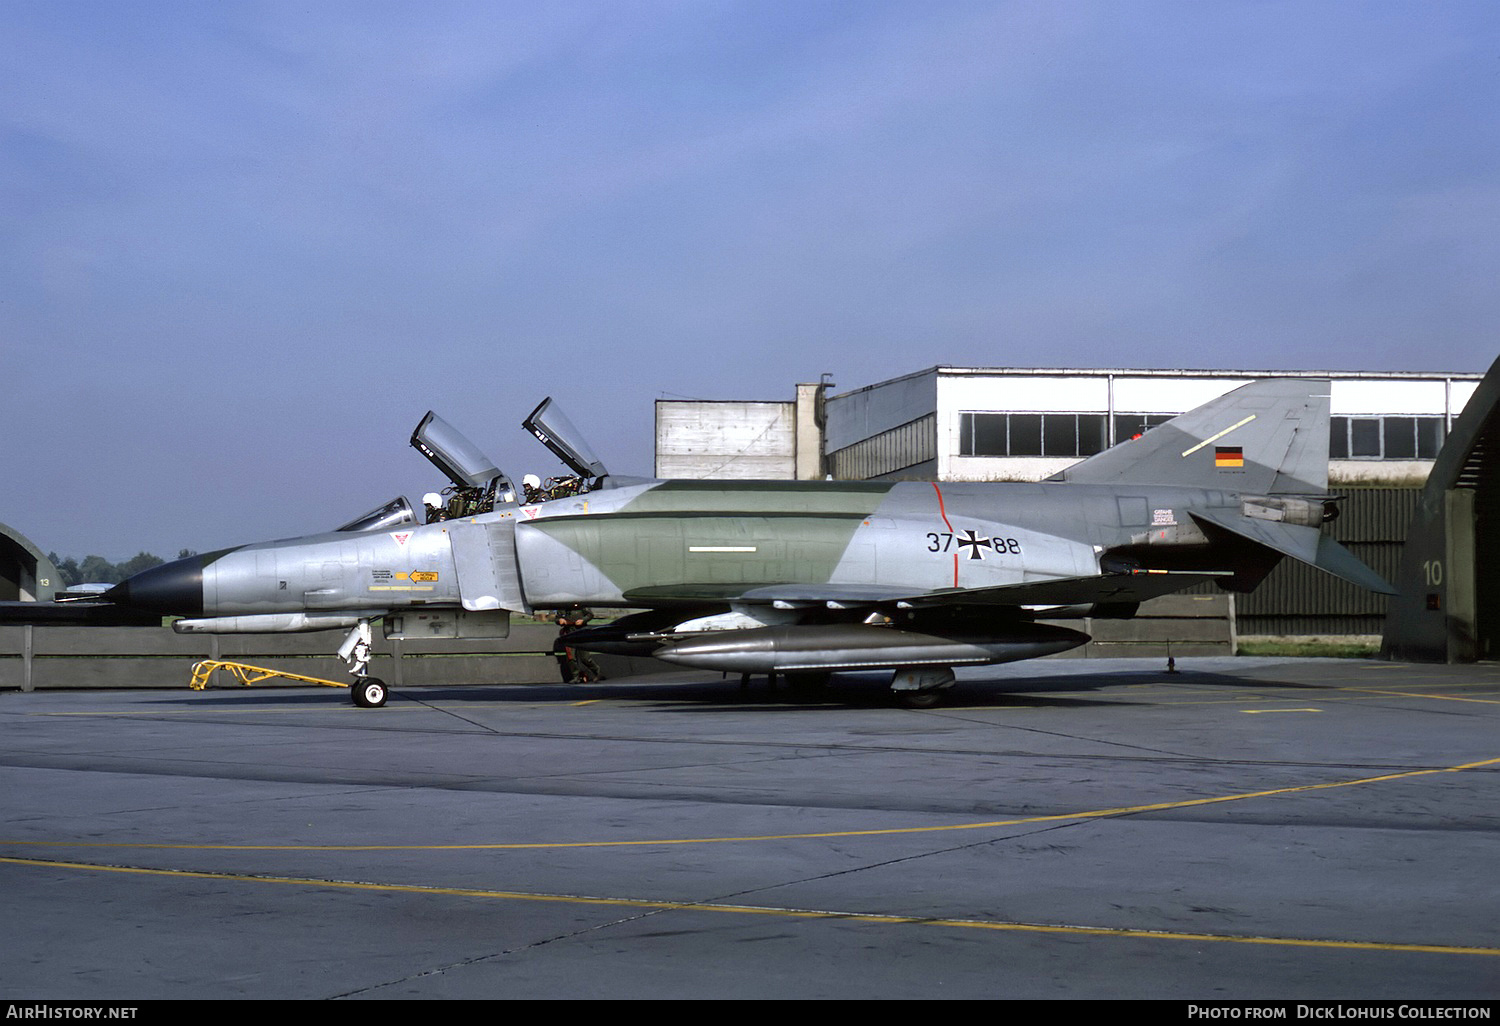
(531, 481)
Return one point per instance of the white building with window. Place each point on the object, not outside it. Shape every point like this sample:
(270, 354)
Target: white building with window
(1023, 424)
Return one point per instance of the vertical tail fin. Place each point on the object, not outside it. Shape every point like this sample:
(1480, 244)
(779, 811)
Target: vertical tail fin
(1268, 437)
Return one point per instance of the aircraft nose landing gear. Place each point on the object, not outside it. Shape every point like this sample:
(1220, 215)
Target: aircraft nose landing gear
(369, 692)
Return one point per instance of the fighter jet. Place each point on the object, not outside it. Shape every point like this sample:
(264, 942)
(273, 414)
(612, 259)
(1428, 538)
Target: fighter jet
(800, 578)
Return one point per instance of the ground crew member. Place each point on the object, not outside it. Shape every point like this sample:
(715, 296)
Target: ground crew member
(575, 665)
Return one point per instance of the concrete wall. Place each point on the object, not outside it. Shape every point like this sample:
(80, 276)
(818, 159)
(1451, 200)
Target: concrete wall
(153, 657)
(726, 440)
(1173, 625)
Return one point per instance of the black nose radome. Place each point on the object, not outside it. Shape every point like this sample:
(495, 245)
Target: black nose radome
(172, 588)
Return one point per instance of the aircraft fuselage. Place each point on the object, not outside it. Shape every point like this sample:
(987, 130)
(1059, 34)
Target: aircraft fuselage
(684, 542)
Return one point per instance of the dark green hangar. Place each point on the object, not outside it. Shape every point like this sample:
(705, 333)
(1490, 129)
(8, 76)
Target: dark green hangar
(1448, 606)
(26, 575)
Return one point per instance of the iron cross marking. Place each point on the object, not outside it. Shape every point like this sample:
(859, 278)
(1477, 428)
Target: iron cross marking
(975, 543)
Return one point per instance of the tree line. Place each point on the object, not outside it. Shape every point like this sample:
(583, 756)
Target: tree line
(98, 570)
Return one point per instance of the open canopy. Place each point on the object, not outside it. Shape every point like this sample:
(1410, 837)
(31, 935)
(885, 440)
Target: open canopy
(458, 458)
(556, 432)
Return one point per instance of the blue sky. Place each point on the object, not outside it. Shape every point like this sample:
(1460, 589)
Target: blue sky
(245, 246)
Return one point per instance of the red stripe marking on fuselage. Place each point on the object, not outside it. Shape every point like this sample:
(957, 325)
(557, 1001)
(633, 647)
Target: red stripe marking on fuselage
(942, 512)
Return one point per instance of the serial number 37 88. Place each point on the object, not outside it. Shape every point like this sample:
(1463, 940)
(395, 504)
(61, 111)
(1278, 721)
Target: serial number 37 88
(943, 541)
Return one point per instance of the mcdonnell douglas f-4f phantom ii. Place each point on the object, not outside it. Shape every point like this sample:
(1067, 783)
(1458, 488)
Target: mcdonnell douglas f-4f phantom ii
(797, 577)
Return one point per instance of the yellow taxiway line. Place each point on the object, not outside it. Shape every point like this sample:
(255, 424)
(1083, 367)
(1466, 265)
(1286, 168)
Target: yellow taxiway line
(791, 913)
(1123, 810)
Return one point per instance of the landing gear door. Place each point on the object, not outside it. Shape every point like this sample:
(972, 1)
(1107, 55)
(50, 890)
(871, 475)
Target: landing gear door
(458, 458)
(557, 433)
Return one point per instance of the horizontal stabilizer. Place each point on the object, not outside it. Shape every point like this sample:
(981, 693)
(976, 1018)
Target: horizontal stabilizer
(1307, 544)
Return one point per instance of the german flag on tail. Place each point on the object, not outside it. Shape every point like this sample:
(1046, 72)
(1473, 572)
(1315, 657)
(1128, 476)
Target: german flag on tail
(1229, 456)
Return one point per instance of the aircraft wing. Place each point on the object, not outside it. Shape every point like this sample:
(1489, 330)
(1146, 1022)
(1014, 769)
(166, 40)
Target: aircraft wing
(1057, 591)
(1107, 589)
(790, 592)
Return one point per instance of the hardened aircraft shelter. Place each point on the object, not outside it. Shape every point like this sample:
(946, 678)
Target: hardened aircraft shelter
(1448, 609)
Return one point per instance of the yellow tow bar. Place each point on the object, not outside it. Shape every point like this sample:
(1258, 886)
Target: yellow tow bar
(368, 691)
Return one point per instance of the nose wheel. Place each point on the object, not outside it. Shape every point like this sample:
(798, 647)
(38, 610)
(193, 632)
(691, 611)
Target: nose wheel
(369, 692)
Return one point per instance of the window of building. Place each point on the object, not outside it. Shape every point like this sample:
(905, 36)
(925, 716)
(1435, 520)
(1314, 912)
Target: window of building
(983, 434)
(1430, 434)
(1025, 435)
(1129, 425)
(1385, 438)
(1031, 434)
(1083, 434)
